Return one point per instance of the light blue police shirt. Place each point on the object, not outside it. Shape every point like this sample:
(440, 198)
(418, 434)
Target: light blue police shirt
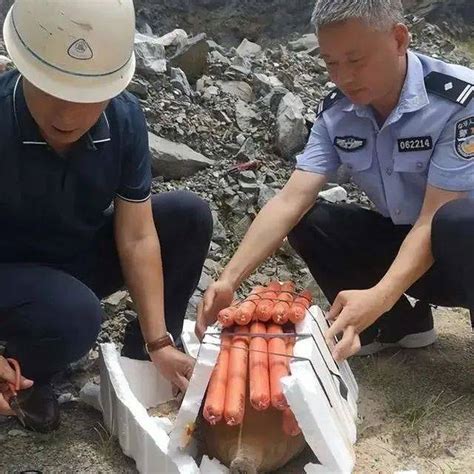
(428, 138)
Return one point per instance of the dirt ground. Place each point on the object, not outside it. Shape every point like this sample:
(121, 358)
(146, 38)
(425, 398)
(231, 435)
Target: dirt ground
(416, 413)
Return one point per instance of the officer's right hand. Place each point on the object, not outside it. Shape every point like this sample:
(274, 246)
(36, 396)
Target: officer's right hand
(7, 375)
(218, 296)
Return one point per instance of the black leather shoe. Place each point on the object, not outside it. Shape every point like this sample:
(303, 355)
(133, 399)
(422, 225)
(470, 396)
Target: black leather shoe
(40, 408)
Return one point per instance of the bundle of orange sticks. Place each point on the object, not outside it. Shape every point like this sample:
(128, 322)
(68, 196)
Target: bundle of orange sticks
(256, 362)
(276, 302)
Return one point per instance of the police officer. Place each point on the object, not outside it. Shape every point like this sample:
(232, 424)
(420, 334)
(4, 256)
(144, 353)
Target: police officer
(72, 142)
(403, 123)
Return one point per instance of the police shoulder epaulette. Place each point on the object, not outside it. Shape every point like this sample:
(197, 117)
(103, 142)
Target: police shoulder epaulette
(329, 101)
(449, 87)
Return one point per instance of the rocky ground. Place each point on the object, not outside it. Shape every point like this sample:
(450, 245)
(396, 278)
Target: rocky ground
(211, 108)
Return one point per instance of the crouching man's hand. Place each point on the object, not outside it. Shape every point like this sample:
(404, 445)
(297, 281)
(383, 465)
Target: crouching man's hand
(175, 366)
(8, 376)
(218, 296)
(352, 312)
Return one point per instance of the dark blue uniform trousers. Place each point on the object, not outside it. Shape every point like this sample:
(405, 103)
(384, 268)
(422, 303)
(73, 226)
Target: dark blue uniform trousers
(348, 247)
(50, 316)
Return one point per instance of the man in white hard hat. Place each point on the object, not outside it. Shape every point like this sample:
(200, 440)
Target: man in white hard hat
(72, 142)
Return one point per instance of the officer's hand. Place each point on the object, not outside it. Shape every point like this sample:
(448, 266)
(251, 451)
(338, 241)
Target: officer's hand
(218, 296)
(7, 375)
(174, 366)
(352, 312)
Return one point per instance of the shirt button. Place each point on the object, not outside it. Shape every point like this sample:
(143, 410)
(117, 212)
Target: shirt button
(350, 167)
(419, 164)
(398, 212)
(389, 171)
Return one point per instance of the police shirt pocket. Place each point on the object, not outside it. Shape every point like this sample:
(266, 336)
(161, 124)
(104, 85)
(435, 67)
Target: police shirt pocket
(356, 161)
(415, 162)
(355, 152)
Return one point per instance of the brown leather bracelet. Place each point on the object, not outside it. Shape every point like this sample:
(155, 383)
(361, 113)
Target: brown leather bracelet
(159, 343)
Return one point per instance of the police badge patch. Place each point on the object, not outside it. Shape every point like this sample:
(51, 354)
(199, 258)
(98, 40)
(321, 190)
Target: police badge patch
(464, 141)
(349, 143)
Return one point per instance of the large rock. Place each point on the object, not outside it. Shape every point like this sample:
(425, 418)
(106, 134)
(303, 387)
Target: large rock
(192, 57)
(238, 89)
(175, 160)
(150, 54)
(176, 38)
(245, 116)
(248, 49)
(215, 57)
(307, 43)
(291, 126)
(240, 68)
(180, 81)
(264, 84)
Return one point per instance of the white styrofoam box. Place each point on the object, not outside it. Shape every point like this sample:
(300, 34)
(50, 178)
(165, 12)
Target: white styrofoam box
(147, 384)
(194, 396)
(341, 367)
(139, 435)
(328, 374)
(129, 387)
(313, 391)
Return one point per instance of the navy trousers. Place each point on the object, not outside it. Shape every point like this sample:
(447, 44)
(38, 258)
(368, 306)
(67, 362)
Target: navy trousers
(51, 316)
(347, 247)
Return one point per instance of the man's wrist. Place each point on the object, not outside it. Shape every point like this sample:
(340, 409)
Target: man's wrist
(387, 294)
(161, 354)
(230, 278)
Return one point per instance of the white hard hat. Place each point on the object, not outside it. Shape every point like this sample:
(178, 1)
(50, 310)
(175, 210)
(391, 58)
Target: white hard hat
(76, 50)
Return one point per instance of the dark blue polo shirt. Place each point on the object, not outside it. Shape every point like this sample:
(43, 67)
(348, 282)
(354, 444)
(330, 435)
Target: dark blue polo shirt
(51, 207)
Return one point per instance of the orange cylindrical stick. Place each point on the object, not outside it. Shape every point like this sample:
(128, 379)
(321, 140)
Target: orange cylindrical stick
(259, 376)
(278, 363)
(216, 391)
(263, 311)
(299, 306)
(246, 310)
(289, 423)
(285, 298)
(234, 408)
(227, 316)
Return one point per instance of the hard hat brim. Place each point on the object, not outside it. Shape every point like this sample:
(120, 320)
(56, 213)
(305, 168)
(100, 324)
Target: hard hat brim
(63, 85)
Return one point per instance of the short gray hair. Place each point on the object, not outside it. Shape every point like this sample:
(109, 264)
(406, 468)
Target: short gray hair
(379, 14)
